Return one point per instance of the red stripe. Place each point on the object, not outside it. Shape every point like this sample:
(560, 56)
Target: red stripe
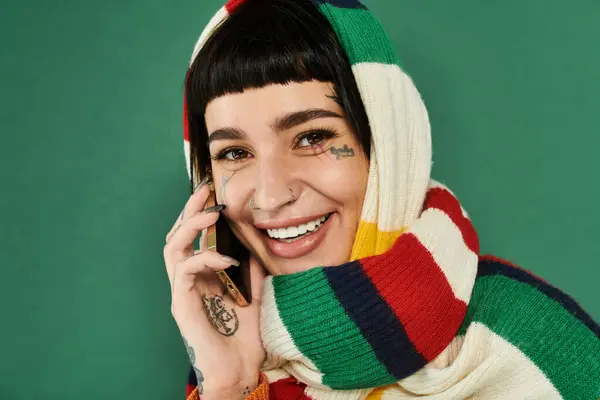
(186, 129)
(288, 389)
(233, 4)
(409, 280)
(443, 200)
(189, 388)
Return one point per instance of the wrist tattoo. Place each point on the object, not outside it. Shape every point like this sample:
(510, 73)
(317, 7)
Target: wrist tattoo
(223, 318)
(247, 391)
(192, 356)
(342, 152)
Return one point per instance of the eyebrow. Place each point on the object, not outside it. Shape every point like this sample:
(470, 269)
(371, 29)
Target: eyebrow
(282, 123)
(226, 134)
(296, 118)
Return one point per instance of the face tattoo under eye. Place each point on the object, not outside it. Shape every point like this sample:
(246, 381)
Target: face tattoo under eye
(300, 176)
(224, 181)
(342, 152)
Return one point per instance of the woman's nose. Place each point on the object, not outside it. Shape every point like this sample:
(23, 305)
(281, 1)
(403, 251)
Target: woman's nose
(273, 187)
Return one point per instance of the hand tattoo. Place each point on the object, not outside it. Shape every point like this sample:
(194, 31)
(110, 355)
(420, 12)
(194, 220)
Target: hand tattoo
(342, 152)
(192, 356)
(222, 318)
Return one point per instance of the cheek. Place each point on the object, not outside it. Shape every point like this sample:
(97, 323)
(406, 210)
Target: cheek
(232, 190)
(343, 181)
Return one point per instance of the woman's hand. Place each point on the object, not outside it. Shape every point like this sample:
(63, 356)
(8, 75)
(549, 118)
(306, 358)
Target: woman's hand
(222, 339)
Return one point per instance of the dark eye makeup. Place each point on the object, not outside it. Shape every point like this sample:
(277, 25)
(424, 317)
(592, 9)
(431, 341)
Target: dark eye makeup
(314, 138)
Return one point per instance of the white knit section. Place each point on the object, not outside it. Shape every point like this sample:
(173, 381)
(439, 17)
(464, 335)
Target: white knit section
(214, 22)
(279, 345)
(274, 375)
(401, 141)
(487, 367)
(433, 184)
(479, 365)
(371, 202)
(306, 372)
(448, 249)
(186, 151)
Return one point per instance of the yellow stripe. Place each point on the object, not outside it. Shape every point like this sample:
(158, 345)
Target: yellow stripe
(377, 394)
(370, 241)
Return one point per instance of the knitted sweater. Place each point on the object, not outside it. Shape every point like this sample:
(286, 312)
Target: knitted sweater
(521, 311)
(416, 312)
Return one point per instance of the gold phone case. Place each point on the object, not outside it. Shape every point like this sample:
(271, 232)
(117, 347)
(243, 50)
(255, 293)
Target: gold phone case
(211, 242)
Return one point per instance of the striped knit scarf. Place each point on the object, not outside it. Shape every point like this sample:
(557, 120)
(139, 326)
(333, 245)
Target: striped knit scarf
(386, 324)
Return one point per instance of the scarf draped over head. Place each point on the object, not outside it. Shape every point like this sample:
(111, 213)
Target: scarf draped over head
(402, 296)
(412, 314)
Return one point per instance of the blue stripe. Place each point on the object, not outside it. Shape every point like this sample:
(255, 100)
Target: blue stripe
(341, 3)
(375, 319)
(494, 267)
(192, 380)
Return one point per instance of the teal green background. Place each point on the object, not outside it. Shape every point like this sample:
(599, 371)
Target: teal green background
(93, 173)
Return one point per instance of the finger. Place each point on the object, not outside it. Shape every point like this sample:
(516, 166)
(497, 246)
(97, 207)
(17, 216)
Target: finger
(186, 269)
(182, 241)
(184, 237)
(194, 204)
(173, 231)
(257, 277)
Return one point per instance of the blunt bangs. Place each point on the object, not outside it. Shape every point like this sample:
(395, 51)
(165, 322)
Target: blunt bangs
(267, 42)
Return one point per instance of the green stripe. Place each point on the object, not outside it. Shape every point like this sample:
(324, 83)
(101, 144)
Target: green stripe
(330, 332)
(562, 347)
(361, 35)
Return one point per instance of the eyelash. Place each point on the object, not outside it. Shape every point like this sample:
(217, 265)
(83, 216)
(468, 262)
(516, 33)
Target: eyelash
(326, 134)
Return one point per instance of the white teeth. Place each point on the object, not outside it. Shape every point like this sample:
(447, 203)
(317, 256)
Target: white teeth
(293, 231)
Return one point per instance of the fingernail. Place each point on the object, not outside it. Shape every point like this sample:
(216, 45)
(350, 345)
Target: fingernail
(230, 261)
(203, 182)
(181, 215)
(218, 208)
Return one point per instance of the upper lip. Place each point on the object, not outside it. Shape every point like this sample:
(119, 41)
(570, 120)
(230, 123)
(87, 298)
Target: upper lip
(286, 223)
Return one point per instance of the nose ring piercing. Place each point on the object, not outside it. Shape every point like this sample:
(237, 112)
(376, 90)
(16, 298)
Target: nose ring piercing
(253, 201)
(293, 196)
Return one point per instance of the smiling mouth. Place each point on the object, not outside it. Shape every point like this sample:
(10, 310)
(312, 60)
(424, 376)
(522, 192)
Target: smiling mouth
(293, 233)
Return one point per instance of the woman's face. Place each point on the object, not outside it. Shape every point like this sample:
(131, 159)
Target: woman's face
(288, 167)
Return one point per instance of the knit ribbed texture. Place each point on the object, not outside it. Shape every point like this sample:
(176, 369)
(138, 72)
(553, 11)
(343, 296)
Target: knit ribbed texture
(415, 312)
(376, 320)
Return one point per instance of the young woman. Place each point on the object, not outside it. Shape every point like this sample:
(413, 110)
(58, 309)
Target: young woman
(367, 281)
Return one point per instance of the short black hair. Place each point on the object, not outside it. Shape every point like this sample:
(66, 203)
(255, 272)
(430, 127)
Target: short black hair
(269, 42)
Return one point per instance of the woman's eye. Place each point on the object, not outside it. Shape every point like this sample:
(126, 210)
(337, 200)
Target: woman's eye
(311, 140)
(234, 154)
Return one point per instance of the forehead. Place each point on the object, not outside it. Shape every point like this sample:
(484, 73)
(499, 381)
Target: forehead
(261, 106)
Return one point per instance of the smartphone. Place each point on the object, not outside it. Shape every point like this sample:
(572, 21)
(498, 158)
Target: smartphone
(220, 238)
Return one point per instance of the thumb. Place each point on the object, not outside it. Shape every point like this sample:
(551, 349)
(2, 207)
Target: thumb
(257, 277)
